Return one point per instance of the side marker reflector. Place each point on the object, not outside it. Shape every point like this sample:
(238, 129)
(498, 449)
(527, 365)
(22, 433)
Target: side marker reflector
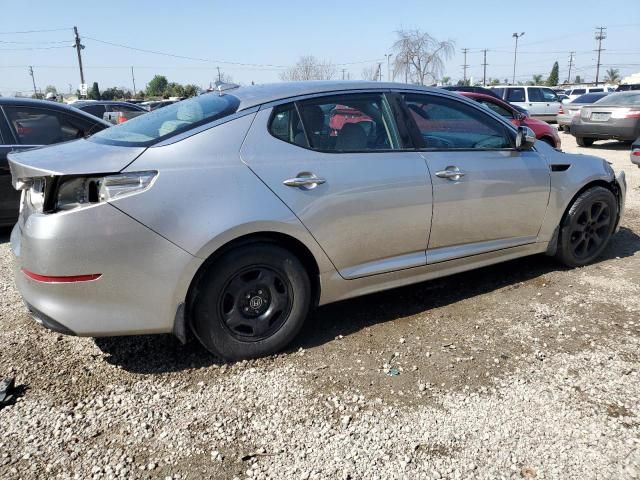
(61, 279)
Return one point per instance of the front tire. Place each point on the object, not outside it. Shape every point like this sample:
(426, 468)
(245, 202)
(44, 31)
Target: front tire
(587, 227)
(584, 141)
(251, 302)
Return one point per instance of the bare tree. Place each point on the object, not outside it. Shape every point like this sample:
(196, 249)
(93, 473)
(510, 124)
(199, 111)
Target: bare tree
(420, 57)
(370, 73)
(309, 68)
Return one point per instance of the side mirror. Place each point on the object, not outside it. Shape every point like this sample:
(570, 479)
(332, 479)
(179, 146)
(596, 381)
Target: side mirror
(525, 138)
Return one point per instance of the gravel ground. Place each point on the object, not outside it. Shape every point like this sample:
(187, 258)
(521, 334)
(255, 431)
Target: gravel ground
(520, 370)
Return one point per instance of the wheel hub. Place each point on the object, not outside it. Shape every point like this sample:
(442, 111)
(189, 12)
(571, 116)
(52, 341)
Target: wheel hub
(255, 302)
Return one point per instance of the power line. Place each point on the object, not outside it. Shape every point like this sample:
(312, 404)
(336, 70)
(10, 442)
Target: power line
(37, 31)
(33, 48)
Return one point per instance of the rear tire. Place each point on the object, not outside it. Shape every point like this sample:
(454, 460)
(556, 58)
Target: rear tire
(251, 302)
(587, 227)
(585, 141)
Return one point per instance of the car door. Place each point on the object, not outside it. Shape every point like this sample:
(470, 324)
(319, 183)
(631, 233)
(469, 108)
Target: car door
(535, 102)
(551, 102)
(486, 195)
(30, 127)
(9, 197)
(348, 171)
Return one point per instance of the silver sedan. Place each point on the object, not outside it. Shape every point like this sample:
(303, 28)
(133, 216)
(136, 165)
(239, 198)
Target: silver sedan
(235, 213)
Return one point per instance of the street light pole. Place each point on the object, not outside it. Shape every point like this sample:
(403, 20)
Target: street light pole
(515, 56)
(388, 57)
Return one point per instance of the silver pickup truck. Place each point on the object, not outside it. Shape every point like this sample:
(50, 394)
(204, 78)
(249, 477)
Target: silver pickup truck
(111, 111)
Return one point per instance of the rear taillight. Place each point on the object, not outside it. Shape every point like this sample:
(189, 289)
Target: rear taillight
(636, 153)
(633, 114)
(121, 117)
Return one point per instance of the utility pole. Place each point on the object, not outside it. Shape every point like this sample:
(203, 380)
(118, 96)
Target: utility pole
(343, 72)
(571, 54)
(484, 67)
(388, 56)
(219, 75)
(515, 56)
(35, 90)
(601, 34)
(133, 78)
(379, 72)
(79, 47)
(465, 66)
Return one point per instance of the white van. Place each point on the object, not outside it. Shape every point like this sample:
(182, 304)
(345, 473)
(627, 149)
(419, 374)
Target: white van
(541, 102)
(575, 92)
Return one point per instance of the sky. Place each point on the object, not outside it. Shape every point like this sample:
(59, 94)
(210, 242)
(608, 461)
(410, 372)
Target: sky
(255, 41)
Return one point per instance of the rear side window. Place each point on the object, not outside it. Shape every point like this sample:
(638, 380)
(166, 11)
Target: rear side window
(343, 123)
(34, 126)
(535, 95)
(447, 124)
(166, 122)
(578, 91)
(499, 92)
(515, 95)
(95, 110)
(591, 90)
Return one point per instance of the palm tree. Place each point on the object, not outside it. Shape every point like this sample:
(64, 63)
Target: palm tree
(536, 79)
(613, 76)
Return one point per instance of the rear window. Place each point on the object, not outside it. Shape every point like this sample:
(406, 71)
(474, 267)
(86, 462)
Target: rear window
(589, 98)
(166, 122)
(621, 98)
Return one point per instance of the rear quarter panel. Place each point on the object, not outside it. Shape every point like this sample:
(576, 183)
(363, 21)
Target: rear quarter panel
(204, 196)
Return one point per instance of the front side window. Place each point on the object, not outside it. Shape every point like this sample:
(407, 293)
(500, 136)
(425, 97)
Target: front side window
(35, 126)
(341, 123)
(95, 110)
(162, 123)
(549, 95)
(499, 109)
(515, 95)
(447, 124)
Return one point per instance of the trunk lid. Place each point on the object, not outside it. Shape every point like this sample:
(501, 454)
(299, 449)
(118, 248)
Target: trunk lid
(79, 157)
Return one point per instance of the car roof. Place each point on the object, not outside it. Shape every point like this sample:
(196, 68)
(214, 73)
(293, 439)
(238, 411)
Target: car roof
(32, 102)
(254, 95)
(100, 102)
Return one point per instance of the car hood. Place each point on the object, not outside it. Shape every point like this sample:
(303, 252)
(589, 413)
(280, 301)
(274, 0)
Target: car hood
(78, 157)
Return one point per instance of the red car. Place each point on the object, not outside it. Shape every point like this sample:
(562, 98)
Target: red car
(543, 130)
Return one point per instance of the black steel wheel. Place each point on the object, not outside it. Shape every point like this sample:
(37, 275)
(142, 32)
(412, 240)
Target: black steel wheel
(250, 302)
(256, 302)
(587, 226)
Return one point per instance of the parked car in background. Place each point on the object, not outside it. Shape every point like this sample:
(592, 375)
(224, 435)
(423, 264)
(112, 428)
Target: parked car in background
(635, 152)
(155, 104)
(541, 102)
(562, 97)
(574, 93)
(614, 117)
(625, 87)
(543, 130)
(26, 123)
(571, 109)
(111, 111)
(485, 91)
(237, 212)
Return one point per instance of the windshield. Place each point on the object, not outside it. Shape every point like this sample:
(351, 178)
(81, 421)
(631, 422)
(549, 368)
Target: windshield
(165, 122)
(621, 98)
(589, 98)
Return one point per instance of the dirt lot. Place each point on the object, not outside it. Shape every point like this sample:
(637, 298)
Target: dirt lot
(521, 370)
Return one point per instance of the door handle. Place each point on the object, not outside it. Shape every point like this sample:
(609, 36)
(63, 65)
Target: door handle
(304, 179)
(451, 173)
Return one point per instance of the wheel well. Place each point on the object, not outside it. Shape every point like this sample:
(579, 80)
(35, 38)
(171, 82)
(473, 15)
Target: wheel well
(611, 186)
(295, 246)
